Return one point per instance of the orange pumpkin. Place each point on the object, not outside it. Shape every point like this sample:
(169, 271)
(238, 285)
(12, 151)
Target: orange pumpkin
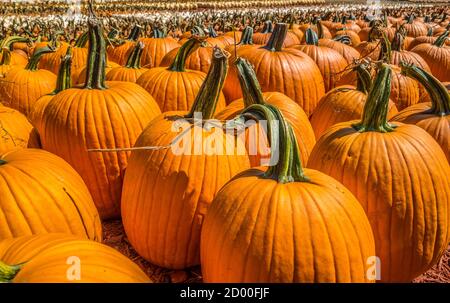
(108, 115)
(8, 58)
(52, 258)
(285, 224)
(120, 51)
(199, 59)
(246, 41)
(22, 86)
(434, 117)
(285, 70)
(389, 167)
(415, 28)
(41, 193)
(164, 225)
(132, 69)
(156, 48)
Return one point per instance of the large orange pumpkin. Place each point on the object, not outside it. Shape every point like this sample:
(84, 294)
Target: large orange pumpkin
(41, 193)
(175, 88)
(285, 224)
(285, 70)
(167, 189)
(132, 69)
(98, 115)
(434, 117)
(399, 174)
(22, 86)
(156, 48)
(53, 258)
(199, 59)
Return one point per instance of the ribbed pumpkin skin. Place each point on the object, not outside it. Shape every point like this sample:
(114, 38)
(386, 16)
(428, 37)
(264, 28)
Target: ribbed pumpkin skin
(369, 49)
(405, 91)
(120, 53)
(200, 59)
(21, 88)
(155, 49)
(437, 126)
(293, 114)
(165, 196)
(175, 91)
(15, 131)
(409, 57)
(52, 61)
(46, 260)
(329, 61)
(348, 52)
(393, 175)
(76, 120)
(125, 74)
(291, 39)
(437, 58)
(289, 71)
(344, 103)
(41, 193)
(309, 231)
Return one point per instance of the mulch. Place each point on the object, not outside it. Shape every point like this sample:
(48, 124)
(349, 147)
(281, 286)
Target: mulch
(114, 236)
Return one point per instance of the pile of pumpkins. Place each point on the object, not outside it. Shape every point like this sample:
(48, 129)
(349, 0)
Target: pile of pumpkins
(360, 191)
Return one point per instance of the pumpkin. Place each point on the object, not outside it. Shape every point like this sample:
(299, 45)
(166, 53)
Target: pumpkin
(109, 115)
(422, 39)
(199, 59)
(245, 42)
(292, 111)
(15, 131)
(175, 88)
(264, 35)
(50, 258)
(286, 223)
(344, 103)
(41, 193)
(398, 54)
(164, 225)
(349, 53)
(415, 28)
(434, 117)
(329, 61)
(437, 56)
(8, 58)
(372, 47)
(81, 77)
(156, 48)
(285, 70)
(22, 86)
(132, 69)
(399, 175)
(354, 38)
(120, 51)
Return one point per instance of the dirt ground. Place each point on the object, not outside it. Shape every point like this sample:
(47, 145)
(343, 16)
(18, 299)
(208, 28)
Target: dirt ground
(114, 236)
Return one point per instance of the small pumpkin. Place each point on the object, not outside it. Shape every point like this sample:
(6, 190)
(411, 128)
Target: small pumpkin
(132, 69)
(156, 48)
(120, 51)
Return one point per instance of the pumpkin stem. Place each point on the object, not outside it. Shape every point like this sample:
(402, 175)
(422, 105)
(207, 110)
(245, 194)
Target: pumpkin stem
(135, 33)
(275, 43)
(386, 49)
(320, 30)
(64, 80)
(212, 32)
(158, 33)
(311, 37)
(9, 41)
(82, 40)
(364, 81)
(249, 83)
(430, 32)
(268, 27)
(374, 117)
(8, 272)
(197, 30)
(34, 60)
(282, 141)
(440, 98)
(6, 57)
(134, 59)
(209, 93)
(344, 39)
(247, 36)
(184, 52)
(95, 71)
(2, 162)
(397, 42)
(441, 39)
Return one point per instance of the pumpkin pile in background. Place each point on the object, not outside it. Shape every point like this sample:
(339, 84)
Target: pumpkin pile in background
(92, 103)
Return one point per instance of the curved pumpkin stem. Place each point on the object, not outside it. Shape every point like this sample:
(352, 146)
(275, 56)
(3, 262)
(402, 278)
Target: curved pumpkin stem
(82, 40)
(6, 57)
(34, 60)
(212, 32)
(268, 27)
(320, 30)
(158, 33)
(430, 32)
(134, 59)
(374, 116)
(9, 41)
(247, 36)
(209, 93)
(8, 272)
(2, 162)
(311, 37)
(275, 43)
(441, 39)
(440, 98)
(64, 80)
(397, 42)
(364, 80)
(95, 71)
(282, 142)
(249, 83)
(344, 39)
(184, 52)
(386, 49)
(135, 33)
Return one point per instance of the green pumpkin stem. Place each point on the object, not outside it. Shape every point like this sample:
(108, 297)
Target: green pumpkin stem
(82, 40)
(275, 43)
(364, 80)
(440, 98)
(95, 71)
(430, 32)
(184, 52)
(158, 33)
(247, 36)
(2, 162)
(135, 33)
(288, 167)
(268, 27)
(374, 117)
(344, 39)
(311, 37)
(134, 59)
(397, 42)
(209, 93)
(32, 64)
(8, 272)
(250, 87)
(64, 80)
(6, 57)
(441, 39)
(320, 33)
(386, 49)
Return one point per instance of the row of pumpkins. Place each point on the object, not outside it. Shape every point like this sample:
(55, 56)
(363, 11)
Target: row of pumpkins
(84, 131)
